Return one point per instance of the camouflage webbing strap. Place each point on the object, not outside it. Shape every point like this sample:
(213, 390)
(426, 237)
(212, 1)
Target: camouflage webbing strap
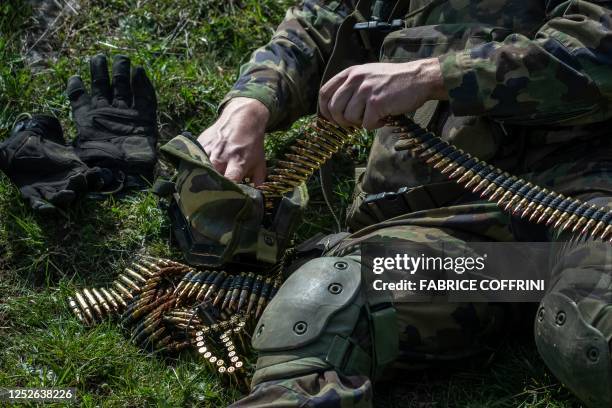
(509, 192)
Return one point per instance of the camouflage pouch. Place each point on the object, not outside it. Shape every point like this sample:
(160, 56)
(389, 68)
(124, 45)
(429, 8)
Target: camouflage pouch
(217, 221)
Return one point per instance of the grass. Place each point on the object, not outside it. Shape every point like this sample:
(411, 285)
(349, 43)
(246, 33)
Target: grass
(191, 50)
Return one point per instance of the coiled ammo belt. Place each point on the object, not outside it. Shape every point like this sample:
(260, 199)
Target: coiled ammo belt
(169, 307)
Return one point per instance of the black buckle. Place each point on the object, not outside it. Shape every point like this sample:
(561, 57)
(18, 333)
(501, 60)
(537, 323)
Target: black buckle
(386, 205)
(383, 26)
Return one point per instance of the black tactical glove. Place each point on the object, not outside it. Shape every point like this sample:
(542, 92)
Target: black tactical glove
(47, 171)
(116, 124)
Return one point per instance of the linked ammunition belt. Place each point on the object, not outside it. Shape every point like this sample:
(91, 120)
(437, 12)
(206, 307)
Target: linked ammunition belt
(511, 193)
(169, 307)
(320, 141)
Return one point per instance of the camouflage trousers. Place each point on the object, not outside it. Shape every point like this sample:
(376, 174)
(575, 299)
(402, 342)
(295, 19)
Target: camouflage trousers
(433, 333)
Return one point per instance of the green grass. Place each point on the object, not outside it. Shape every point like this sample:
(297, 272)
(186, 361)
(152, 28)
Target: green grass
(191, 50)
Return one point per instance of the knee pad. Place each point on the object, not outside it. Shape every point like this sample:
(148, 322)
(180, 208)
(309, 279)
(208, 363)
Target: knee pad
(577, 353)
(320, 319)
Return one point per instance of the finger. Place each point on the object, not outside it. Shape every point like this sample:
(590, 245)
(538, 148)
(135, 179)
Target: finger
(371, 119)
(334, 82)
(235, 172)
(259, 174)
(338, 102)
(218, 164)
(355, 109)
(327, 91)
(144, 93)
(122, 93)
(77, 95)
(100, 82)
(41, 206)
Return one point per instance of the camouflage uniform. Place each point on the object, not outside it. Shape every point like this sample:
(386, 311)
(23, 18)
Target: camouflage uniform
(530, 91)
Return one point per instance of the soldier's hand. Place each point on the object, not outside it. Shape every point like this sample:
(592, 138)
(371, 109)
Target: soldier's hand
(235, 142)
(364, 95)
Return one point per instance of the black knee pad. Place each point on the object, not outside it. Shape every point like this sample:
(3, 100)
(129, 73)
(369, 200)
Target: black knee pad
(575, 351)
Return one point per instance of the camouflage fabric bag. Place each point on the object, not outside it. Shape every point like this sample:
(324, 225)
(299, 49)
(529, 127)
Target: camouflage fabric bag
(217, 221)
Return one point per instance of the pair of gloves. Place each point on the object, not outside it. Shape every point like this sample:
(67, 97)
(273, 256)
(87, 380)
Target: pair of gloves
(115, 145)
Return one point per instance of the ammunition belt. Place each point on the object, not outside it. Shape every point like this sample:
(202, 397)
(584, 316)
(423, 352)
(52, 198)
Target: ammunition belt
(169, 307)
(510, 193)
(320, 141)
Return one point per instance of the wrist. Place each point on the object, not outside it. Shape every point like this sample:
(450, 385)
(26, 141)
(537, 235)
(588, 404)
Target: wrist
(433, 81)
(248, 109)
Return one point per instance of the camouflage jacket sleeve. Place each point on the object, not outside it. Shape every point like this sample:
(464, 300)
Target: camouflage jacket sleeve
(285, 73)
(563, 75)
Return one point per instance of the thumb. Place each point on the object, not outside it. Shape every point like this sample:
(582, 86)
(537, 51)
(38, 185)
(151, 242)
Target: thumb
(56, 196)
(36, 200)
(234, 172)
(76, 93)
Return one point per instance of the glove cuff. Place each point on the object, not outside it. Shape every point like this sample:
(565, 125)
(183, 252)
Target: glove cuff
(43, 125)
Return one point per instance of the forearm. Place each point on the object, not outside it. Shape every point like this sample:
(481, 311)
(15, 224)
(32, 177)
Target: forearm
(284, 75)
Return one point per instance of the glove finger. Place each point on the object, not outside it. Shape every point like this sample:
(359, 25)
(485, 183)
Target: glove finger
(122, 94)
(34, 198)
(60, 198)
(41, 206)
(76, 93)
(100, 81)
(145, 101)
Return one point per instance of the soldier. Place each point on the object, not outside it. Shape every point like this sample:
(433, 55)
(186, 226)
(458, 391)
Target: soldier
(524, 85)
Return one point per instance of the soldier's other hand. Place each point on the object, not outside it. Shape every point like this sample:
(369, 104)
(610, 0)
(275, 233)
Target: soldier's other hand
(364, 95)
(235, 142)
